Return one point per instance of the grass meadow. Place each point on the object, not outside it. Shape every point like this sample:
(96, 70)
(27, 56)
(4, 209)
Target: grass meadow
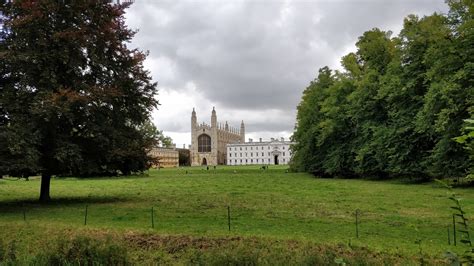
(273, 213)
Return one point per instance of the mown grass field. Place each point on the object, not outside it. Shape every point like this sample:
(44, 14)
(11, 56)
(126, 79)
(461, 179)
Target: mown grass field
(271, 205)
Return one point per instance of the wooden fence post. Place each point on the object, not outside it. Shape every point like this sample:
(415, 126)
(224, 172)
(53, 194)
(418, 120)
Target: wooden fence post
(228, 217)
(152, 218)
(357, 222)
(85, 216)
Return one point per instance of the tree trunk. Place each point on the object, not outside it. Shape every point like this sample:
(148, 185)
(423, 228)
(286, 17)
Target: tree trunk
(45, 184)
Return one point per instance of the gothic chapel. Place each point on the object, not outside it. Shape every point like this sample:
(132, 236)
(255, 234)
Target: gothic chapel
(208, 142)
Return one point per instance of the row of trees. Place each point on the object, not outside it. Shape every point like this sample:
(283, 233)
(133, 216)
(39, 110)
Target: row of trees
(74, 99)
(396, 106)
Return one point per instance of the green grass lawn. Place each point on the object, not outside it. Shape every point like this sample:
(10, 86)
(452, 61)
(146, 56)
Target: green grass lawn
(272, 204)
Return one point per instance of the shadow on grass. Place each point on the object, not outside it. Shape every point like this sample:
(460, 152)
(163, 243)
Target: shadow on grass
(401, 180)
(20, 204)
(74, 178)
(408, 180)
(105, 177)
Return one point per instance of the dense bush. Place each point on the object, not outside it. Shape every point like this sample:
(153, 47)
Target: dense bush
(396, 106)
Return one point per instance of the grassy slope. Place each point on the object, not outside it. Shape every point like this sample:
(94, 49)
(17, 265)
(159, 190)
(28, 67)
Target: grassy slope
(271, 204)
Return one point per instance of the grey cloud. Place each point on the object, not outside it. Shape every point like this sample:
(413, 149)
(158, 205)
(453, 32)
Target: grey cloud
(356, 17)
(272, 127)
(175, 126)
(256, 55)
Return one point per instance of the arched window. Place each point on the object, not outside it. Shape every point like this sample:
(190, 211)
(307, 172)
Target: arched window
(204, 143)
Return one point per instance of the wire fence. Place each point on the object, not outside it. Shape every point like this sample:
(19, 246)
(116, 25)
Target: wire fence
(219, 219)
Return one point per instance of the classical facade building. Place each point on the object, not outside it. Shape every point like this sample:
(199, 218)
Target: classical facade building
(208, 142)
(263, 152)
(167, 157)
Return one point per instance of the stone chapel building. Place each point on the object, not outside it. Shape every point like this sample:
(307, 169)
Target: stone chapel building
(208, 142)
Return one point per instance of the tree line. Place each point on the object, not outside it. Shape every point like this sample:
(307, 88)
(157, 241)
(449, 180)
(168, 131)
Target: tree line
(397, 104)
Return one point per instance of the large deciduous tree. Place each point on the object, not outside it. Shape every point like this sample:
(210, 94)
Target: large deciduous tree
(74, 98)
(397, 105)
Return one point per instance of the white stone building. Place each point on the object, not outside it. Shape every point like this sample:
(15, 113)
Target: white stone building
(275, 151)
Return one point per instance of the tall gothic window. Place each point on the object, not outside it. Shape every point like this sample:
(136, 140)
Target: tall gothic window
(204, 143)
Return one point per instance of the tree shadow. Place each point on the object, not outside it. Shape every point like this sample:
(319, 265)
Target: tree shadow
(104, 177)
(18, 205)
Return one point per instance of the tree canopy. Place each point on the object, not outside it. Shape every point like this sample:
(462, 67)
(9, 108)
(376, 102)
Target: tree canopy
(396, 106)
(74, 98)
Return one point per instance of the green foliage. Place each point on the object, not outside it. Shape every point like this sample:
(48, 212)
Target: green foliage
(397, 105)
(468, 141)
(460, 219)
(164, 141)
(74, 99)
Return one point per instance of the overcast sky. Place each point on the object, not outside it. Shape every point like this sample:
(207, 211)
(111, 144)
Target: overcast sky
(251, 59)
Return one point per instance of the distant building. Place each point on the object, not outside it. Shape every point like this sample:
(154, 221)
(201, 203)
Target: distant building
(167, 157)
(263, 152)
(208, 142)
